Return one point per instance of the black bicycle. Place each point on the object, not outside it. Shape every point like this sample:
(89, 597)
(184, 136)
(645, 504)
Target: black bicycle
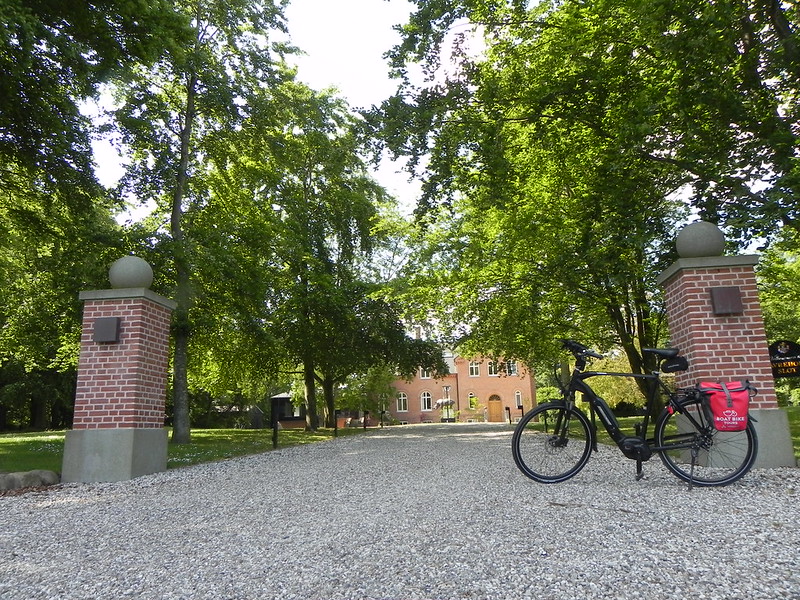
(554, 441)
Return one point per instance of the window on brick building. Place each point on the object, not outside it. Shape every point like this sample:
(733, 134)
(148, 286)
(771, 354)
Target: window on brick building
(518, 398)
(473, 401)
(424, 374)
(492, 368)
(474, 368)
(402, 402)
(426, 401)
(511, 367)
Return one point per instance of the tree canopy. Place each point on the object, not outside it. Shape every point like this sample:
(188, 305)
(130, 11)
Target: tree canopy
(708, 91)
(294, 203)
(55, 55)
(569, 143)
(560, 144)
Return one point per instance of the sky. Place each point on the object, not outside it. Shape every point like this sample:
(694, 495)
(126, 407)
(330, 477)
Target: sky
(344, 42)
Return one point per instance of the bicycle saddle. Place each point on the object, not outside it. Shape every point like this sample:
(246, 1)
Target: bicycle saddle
(665, 353)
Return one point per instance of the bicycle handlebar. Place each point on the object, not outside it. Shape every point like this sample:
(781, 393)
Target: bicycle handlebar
(579, 350)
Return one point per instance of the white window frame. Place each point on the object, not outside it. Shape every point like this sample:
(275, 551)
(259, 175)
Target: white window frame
(493, 369)
(424, 374)
(474, 368)
(518, 398)
(426, 401)
(511, 368)
(402, 402)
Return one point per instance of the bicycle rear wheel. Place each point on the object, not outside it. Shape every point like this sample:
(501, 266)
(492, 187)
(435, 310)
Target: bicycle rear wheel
(552, 443)
(722, 457)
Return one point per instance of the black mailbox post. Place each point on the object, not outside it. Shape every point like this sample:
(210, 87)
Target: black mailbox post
(273, 414)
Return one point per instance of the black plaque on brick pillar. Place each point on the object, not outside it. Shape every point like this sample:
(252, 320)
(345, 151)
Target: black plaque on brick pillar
(106, 329)
(785, 358)
(727, 300)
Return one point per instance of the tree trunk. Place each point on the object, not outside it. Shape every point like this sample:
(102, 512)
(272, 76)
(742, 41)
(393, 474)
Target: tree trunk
(38, 418)
(328, 385)
(312, 418)
(782, 28)
(181, 433)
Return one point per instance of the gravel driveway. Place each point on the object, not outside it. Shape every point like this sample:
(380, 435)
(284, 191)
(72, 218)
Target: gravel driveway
(418, 511)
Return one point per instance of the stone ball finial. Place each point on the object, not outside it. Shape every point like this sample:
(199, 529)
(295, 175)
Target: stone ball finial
(700, 239)
(130, 272)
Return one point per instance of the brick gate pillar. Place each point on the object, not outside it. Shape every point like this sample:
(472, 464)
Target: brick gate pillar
(715, 319)
(118, 426)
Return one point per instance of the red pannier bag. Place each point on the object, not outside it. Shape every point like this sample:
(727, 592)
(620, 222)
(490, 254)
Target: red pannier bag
(725, 404)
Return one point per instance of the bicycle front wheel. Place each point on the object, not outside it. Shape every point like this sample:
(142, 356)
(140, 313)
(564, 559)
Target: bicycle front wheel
(552, 443)
(720, 457)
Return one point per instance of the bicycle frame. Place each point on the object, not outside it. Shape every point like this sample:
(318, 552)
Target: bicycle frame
(599, 406)
(638, 447)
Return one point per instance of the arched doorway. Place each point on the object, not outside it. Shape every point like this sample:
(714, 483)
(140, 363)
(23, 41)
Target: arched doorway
(495, 409)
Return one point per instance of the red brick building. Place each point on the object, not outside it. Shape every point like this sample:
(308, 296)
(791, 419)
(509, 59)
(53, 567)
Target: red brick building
(476, 389)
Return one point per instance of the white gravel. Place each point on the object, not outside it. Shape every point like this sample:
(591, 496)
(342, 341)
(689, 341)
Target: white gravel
(428, 511)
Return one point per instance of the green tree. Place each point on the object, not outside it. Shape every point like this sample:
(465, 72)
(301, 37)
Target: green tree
(562, 149)
(366, 334)
(779, 289)
(368, 391)
(171, 116)
(44, 263)
(291, 222)
(707, 90)
(548, 223)
(321, 202)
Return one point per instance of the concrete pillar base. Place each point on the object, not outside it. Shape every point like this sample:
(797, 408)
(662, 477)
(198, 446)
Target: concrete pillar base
(774, 438)
(102, 455)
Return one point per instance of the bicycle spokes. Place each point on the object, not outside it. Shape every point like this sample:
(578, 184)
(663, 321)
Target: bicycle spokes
(552, 443)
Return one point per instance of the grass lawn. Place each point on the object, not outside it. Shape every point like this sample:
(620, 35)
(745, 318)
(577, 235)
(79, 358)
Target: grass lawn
(44, 450)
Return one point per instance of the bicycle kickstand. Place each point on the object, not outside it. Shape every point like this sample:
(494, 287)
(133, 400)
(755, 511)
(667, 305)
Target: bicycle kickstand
(639, 471)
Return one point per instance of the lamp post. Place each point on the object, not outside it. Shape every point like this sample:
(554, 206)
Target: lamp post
(447, 402)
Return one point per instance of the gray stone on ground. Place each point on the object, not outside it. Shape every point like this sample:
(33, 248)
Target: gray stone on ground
(26, 479)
